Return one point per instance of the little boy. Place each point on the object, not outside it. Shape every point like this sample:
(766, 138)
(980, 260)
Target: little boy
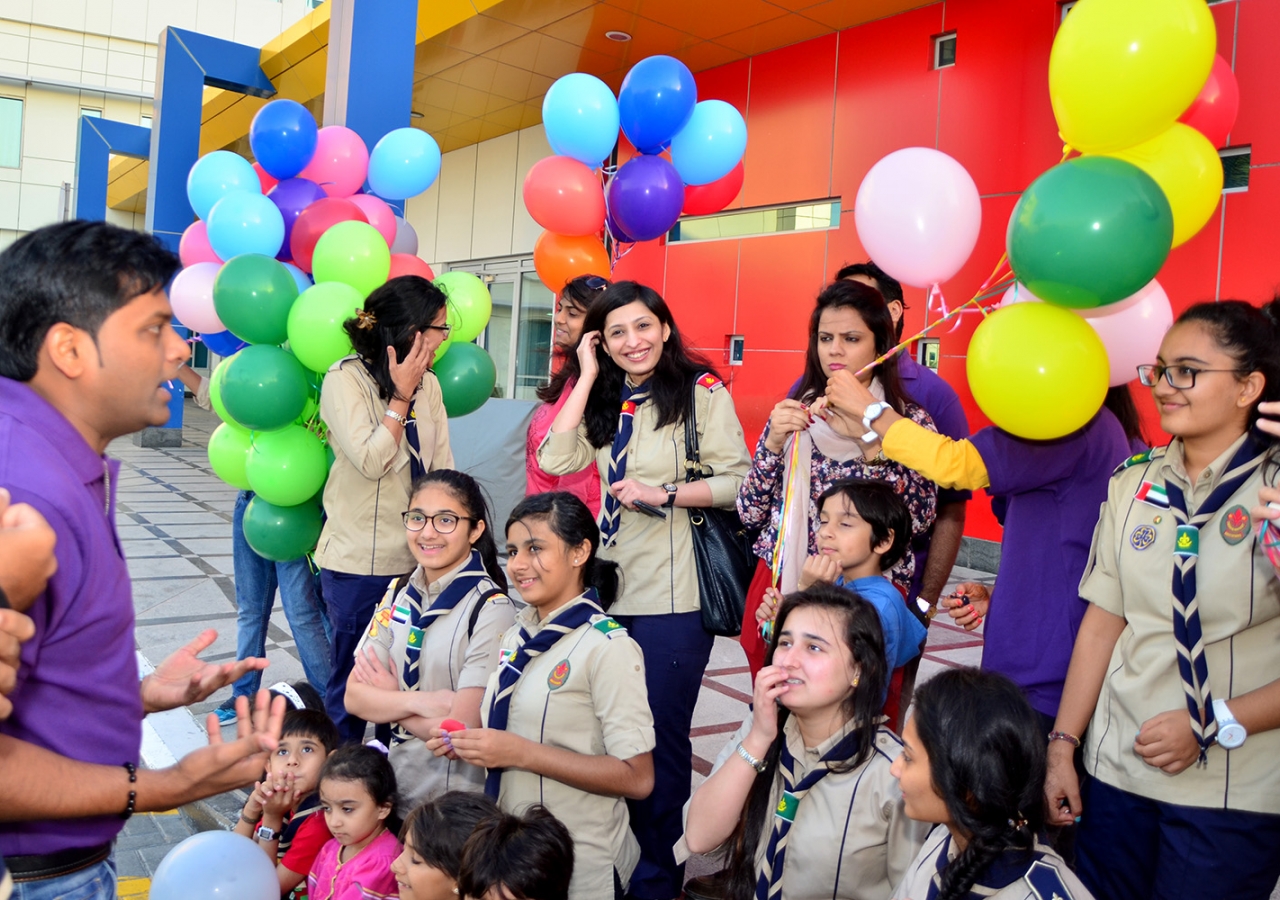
(280, 814)
(524, 857)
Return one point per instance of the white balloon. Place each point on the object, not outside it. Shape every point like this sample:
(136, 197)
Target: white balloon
(191, 296)
(216, 865)
(406, 238)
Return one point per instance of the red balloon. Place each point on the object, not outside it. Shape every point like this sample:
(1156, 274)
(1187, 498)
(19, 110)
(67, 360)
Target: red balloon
(564, 196)
(704, 199)
(267, 181)
(1214, 110)
(408, 264)
(314, 221)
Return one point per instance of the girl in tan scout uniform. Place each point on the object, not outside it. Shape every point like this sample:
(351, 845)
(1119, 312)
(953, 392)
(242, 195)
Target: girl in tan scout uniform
(567, 722)
(802, 800)
(1176, 669)
(432, 643)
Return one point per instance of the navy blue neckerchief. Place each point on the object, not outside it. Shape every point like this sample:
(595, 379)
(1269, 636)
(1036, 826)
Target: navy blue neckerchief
(1004, 870)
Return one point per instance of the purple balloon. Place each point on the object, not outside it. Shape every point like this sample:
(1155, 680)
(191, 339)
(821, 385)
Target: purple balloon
(646, 196)
(616, 230)
(292, 196)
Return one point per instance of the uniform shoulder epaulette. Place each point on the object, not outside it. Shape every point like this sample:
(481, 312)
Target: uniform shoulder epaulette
(607, 626)
(710, 382)
(1140, 459)
(1046, 882)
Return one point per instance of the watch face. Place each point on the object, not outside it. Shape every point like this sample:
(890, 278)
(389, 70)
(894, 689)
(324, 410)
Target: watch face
(1231, 736)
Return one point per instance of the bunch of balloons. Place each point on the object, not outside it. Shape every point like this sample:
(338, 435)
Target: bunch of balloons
(284, 252)
(690, 162)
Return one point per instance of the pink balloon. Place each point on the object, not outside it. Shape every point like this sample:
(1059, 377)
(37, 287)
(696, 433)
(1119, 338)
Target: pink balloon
(918, 215)
(194, 246)
(380, 215)
(1131, 329)
(191, 296)
(340, 163)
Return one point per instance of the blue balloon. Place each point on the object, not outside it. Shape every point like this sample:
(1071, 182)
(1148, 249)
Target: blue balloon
(656, 101)
(215, 865)
(403, 164)
(283, 138)
(580, 115)
(711, 144)
(224, 343)
(217, 174)
(245, 223)
(302, 279)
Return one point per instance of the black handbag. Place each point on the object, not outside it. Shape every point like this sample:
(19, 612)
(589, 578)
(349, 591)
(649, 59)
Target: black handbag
(722, 547)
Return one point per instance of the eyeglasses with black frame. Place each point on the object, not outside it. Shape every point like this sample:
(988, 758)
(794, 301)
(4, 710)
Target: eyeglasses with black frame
(443, 523)
(443, 329)
(1182, 378)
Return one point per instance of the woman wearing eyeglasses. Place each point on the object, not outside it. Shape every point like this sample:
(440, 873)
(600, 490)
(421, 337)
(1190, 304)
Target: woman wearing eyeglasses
(387, 426)
(432, 643)
(571, 310)
(1176, 670)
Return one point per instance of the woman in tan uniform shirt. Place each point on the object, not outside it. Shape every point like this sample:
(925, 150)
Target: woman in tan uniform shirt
(627, 413)
(386, 425)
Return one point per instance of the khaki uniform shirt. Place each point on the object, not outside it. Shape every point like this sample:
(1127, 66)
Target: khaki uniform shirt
(656, 555)
(1130, 574)
(368, 486)
(586, 694)
(1061, 881)
(450, 660)
(851, 838)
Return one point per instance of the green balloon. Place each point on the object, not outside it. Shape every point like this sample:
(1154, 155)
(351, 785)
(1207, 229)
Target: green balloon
(1089, 232)
(228, 453)
(252, 295)
(264, 388)
(467, 376)
(352, 253)
(316, 335)
(470, 304)
(287, 467)
(215, 394)
(281, 533)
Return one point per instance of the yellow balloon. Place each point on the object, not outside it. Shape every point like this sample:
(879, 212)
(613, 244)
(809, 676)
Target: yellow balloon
(1037, 370)
(1188, 170)
(1122, 71)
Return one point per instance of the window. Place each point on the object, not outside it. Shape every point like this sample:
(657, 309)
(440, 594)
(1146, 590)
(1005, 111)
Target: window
(145, 121)
(944, 50)
(1235, 168)
(90, 112)
(10, 132)
(816, 216)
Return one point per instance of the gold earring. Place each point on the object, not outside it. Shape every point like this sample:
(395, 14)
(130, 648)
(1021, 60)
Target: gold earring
(855, 681)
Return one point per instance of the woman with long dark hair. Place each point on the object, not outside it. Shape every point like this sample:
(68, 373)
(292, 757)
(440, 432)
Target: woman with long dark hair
(801, 800)
(1175, 672)
(638, 390)
(571, 312)
(972, 761)
(387, 425)
(849, 328)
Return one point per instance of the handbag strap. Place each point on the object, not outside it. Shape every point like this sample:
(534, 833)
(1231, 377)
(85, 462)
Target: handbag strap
(692, 450)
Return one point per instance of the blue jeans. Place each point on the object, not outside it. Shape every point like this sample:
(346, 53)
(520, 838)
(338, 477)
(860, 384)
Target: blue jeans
(351, 600)
(256, 582)
(97, 882)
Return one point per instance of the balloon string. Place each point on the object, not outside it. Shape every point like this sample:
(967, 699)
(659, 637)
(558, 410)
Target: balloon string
(775, 563)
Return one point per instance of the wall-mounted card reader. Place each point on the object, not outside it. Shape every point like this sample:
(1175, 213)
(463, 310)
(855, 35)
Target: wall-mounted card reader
(929, 352)
(735, 346)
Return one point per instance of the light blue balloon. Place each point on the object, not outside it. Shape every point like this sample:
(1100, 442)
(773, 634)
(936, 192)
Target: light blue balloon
(403, 164)
(302, 278)
(242, 222)
(580, 115)
(215, 865)
(214, 176)
(711, 144)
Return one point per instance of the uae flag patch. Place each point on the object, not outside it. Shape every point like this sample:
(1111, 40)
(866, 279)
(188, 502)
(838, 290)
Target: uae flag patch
(1152, 494)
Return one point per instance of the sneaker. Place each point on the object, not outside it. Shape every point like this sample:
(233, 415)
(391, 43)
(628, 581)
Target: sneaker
(226, 715)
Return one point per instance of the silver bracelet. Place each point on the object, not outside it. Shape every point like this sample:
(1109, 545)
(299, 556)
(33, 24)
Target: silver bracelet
(391, 413)
(750, 760)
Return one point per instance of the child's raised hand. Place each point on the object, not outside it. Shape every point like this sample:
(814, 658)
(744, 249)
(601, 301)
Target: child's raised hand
(283, 796)
(821, 569)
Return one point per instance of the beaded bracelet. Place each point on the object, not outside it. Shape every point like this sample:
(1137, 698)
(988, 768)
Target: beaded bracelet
(133, 795)
(1063, 736)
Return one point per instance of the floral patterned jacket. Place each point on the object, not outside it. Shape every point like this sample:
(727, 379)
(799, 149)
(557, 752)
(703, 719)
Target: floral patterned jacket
(760, 498)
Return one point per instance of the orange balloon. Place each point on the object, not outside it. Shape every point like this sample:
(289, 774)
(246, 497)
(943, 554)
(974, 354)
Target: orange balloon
(559, 258)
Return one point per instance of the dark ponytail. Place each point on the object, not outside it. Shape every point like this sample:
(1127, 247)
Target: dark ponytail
(987, 761)
(1250, 334)
(571, 521)
(463, 488)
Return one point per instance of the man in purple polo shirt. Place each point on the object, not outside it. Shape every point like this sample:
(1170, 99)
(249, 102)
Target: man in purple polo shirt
(86, 350)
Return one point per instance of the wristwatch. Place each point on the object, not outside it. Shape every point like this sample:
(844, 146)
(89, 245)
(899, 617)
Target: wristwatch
(266, 834)
(1231, 733)
(671, 494)
(873, 412)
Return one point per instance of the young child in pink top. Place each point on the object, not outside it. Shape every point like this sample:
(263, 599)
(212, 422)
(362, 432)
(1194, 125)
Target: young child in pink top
(357, 793)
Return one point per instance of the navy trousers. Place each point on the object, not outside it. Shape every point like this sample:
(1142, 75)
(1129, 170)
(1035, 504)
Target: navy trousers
(676, 649)
(1133, 848)
(350, 601)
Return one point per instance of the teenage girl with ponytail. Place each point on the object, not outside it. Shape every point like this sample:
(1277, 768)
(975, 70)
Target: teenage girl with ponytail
(973, 762)
(432, 643)
(567, 720)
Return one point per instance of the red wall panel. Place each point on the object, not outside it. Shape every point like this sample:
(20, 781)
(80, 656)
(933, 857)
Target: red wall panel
(702, 282)
(1259, 78)
(1249, 260)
